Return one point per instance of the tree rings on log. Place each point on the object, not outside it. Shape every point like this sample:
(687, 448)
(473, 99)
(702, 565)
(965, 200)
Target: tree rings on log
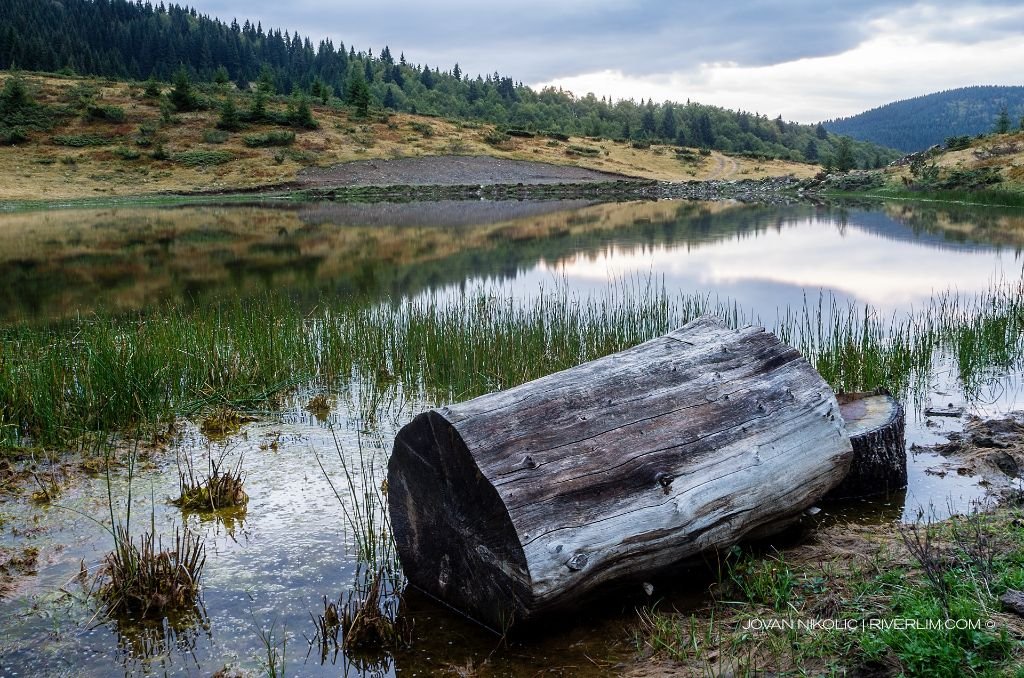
(875, 422)
(527, 500)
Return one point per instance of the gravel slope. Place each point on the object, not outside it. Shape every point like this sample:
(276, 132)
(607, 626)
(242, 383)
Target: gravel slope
(447, 170)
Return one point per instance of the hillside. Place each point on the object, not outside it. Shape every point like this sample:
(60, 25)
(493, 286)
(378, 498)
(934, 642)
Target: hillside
(992, 162)
(86, 138)
(135, 40)
(919, 123)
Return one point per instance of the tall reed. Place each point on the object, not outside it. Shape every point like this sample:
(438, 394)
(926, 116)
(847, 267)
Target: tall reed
(106, 372)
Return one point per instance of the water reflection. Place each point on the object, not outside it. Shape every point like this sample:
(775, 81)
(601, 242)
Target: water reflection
(57, 264)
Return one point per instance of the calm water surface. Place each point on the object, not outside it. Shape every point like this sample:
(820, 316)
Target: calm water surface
(270, 567)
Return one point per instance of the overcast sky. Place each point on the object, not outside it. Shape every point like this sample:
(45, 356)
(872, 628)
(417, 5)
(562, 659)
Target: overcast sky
(806, 60)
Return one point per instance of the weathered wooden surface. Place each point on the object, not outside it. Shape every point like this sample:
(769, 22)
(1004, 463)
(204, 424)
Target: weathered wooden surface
(527, 499)
(875, 422)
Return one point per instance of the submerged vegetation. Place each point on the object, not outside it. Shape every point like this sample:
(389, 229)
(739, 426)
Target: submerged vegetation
(107, 372)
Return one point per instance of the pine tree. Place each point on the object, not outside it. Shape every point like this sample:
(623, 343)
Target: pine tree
(300, 114)
(668, 128)
(647, 122)
(181, 95)
(153, 88)
(811, 151)
(230, 120)
(258, 106)
(844, 160)
(427, 78)
(1003, 121)
(358, 94)
(265, 81)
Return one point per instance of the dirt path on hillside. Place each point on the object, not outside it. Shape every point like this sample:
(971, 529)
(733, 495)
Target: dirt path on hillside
(447, 170)
(725, 168)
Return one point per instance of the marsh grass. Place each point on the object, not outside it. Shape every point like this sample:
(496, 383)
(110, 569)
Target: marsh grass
(362, 495)
(370, 619)
(275, 649)
(985, 196)
(140, 579)
(368, 615)
(223, 422)
(220, 487)
(107, 372)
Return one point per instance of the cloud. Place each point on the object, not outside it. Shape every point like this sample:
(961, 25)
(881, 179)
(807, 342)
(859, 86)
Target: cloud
(536, 40)
(806, 59)
(906, 54)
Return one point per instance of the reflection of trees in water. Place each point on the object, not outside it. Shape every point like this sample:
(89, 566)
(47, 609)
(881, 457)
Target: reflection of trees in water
(145, 257)
(956, 227)
(159, 646)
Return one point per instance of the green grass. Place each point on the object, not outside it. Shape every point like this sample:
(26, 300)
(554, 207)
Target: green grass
(82, 140)
(203, 158)
(269, 139)
(860, 585)
(106, 372)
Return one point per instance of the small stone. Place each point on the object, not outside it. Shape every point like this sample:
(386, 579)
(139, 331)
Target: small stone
(1005, 463)
(1013, 601)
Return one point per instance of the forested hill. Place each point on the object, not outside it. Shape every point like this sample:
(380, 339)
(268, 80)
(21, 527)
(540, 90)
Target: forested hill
(139, 40)
(915, 124)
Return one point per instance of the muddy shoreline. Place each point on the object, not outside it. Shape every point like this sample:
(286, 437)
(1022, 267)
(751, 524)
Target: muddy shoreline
(990, 449)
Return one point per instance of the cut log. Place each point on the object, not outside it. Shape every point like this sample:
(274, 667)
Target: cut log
(526, 500)
(875, 422)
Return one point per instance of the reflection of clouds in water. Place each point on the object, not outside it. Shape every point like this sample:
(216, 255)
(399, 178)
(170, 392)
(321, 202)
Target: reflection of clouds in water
(773, 268)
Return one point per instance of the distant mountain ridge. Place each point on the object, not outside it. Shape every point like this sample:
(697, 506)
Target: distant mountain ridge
(915, 124)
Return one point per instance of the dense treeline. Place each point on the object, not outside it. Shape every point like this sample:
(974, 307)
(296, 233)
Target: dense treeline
(919, 123)
(139, 40)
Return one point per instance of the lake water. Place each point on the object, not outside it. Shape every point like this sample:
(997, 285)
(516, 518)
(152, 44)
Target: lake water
(269, 568)
(62, 263)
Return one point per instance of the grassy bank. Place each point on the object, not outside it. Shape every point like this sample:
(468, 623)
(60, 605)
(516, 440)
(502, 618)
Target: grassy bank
(105, 372)
(864, 596)
(981, 198)
(984, 170)
(143, 146)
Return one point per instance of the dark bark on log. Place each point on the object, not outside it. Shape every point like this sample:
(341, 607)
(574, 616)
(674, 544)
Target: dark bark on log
(875, 422)
(528, 499)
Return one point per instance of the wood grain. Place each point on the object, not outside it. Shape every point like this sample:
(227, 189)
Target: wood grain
(528, 499)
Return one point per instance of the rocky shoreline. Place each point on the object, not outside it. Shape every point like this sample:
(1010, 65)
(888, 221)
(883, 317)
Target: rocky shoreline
(486, 178)
(771, 190)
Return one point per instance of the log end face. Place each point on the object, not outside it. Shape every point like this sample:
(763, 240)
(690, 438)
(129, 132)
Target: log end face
(876, 423)
(453, 533)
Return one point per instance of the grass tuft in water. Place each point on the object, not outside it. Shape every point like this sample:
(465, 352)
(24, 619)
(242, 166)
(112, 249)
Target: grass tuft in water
(220, 487)
(223, 422)
(368, 615)
(141, 579)
(368, 623)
